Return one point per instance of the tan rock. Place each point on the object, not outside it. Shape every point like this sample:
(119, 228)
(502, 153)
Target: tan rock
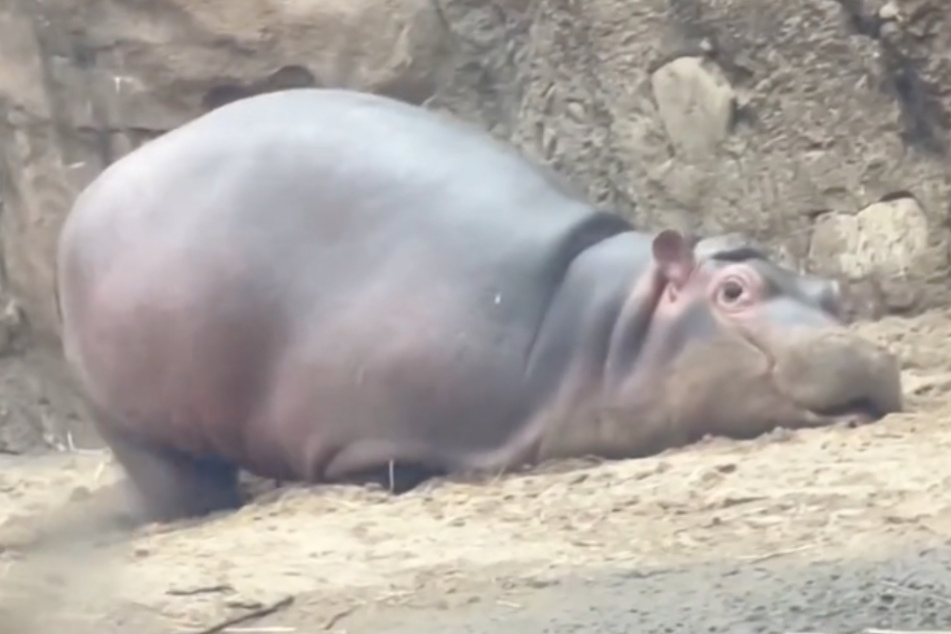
(885, 239)
(695, 102)
(885, 247)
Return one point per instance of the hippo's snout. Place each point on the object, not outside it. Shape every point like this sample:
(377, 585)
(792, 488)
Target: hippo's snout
(839, 374)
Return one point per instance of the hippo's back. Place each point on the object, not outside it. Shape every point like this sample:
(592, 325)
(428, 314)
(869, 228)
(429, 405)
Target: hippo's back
(337, 180)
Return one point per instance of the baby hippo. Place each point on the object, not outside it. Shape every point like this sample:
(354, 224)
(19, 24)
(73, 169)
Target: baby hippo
(316, 283)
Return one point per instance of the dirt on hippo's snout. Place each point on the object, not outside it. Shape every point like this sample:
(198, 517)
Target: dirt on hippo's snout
(795, 531)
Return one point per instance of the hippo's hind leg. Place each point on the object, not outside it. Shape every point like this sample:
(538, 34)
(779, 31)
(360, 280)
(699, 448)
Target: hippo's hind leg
(172, 485)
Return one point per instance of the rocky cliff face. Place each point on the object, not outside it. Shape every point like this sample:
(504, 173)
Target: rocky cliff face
(819, 127)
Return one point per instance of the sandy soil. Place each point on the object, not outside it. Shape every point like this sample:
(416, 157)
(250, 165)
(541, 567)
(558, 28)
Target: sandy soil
(834, 530)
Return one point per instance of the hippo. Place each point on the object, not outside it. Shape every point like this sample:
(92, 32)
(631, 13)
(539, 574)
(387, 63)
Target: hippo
(312, 284)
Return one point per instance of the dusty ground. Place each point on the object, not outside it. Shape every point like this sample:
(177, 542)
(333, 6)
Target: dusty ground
(832, 531)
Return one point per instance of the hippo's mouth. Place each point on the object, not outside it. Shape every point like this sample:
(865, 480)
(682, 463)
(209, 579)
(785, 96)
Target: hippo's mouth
(860, 411)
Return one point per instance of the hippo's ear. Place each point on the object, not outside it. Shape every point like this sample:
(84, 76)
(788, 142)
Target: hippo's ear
(674, 256)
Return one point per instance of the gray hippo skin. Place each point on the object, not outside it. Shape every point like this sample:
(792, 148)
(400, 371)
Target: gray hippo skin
(313, 284)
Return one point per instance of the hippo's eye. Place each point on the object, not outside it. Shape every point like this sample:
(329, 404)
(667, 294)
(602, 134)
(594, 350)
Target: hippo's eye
(731, 291)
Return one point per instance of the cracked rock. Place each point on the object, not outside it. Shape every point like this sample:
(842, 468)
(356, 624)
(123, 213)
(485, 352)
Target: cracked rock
(886, 241)
(885, 238)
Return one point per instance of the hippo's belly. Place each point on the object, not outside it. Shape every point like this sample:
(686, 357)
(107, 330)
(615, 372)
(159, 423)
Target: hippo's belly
(421, 373)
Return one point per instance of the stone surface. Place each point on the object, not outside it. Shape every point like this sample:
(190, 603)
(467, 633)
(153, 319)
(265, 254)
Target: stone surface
(803, 124)
(695, 102)
(886, 243)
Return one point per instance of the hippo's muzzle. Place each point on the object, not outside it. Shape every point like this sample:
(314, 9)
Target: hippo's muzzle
(743, 384)
(836, 373)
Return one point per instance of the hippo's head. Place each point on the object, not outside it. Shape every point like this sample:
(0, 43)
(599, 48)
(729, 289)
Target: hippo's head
(729, 343)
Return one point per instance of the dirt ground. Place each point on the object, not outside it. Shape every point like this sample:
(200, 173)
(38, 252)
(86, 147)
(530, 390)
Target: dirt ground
(831, 531)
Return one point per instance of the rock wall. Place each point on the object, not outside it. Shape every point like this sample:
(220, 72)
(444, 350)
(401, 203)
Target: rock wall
(820, 127)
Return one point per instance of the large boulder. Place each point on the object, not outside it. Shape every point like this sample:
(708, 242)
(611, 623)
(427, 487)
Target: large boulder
(818, 127)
